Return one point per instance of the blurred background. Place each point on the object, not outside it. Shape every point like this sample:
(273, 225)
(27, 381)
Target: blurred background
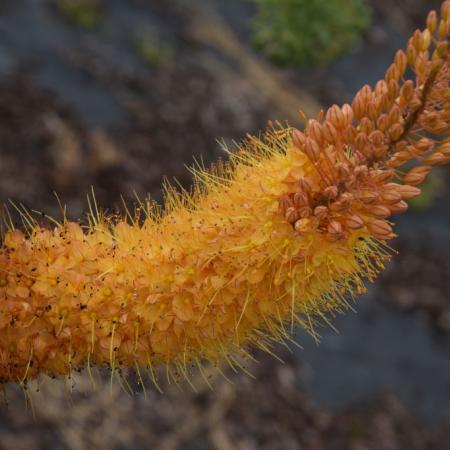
(118, 94)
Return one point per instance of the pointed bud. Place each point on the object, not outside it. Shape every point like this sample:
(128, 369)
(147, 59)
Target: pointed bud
(336, 117)
(417, 175)
(315, 131)
(305, 212)
(407, 192)
(329, 132)
(432, 22)
(354, 222)
(390, 196)
(300, 200)
(396, 131)
(312, 149)
(284, 204)
(331, 192)
(380, 211)
(399, 207)
(335, 230)
(425, 40)
(368, 197)
(321, 212)
(401, 62)
(380, 229)
(445, 10)
(292, 215)
(298, 138)
(347, 111)
(436, 159)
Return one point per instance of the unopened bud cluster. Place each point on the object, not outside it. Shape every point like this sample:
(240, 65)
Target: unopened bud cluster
(358, 150)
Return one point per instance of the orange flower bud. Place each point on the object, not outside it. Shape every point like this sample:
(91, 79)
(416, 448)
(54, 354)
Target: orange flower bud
(377, 137)
(330, 192)
(445, 10)
(321, 212)
(425, 40)
(315, 131)
(407, 90)
(335, 230)
(390, 196)
(436, 159)
(399, 207)
(292, 215)
(380, 229)
(312, 149)
(368, 197)
(380, 211)
(395, 131)
(417, 175)
(354, 222)
(300, 199)
(347, 111)
(408, 192)
(381, 176)
(305, 212)
(329, 132)
(336, 117)
(432, 21)
(298, 138)
(401, 62)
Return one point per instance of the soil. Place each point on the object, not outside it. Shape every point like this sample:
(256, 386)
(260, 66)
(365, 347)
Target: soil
(86, 107)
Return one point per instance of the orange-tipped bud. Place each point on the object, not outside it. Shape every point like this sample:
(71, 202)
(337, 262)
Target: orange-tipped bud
(335, 230)
(417, 175)
(331, 192)
(315, 131)
(292, 215)
(336, 117)
(432, 21)
(445, 10)
(437, 159)
(379, 211)
(368, 197)
(401, 61)
(395, 131)
(329, 132)
(390, 196)
(354, 222)
(298, 138)
(321, 212)
(408, 192)
(425, 40)
(312, 149)
(300, 199)
(399, 207)
(380, 229)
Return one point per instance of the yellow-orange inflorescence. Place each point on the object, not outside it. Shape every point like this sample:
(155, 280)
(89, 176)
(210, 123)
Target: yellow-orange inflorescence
(285, 233)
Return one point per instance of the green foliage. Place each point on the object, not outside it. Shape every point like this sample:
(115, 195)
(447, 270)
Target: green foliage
(308, 32)
(153, 51)
(82, 13)
(431, 190)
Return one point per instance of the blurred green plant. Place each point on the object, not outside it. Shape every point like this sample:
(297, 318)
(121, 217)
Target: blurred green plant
(431, 190)
(308, 32)
(82, 13)
(151, 50)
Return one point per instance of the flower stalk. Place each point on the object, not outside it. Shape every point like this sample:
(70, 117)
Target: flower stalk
(285, 233)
